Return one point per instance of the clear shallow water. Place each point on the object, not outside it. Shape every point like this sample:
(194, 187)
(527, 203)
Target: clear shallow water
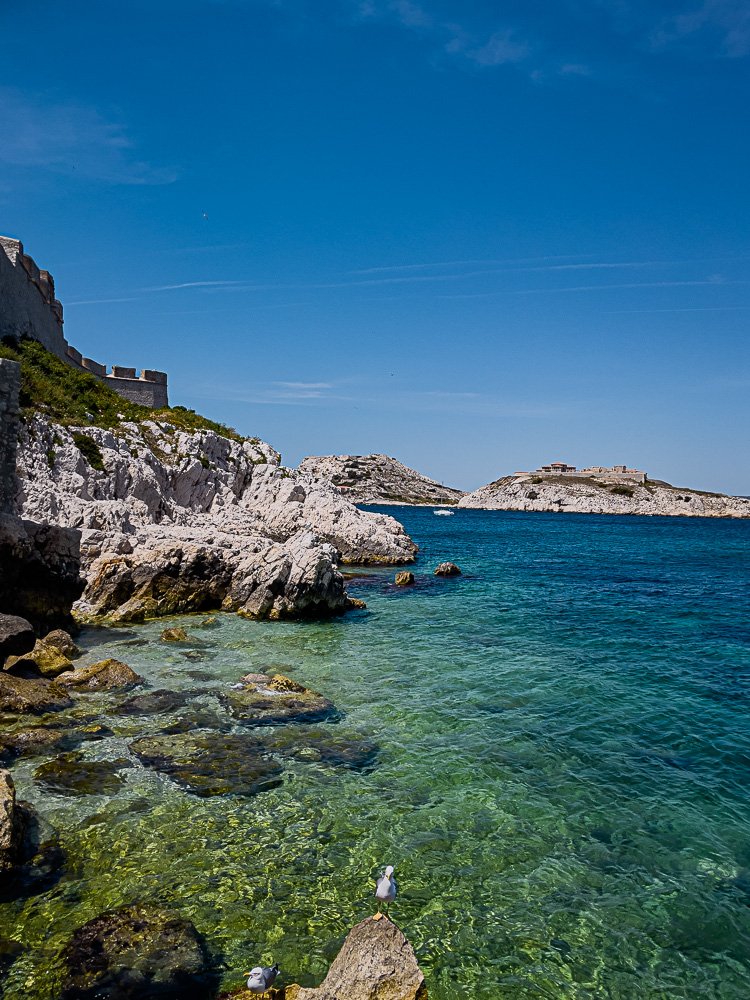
(562, 778)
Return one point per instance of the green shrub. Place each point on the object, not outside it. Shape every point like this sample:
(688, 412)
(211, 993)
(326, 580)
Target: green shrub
(90, 450)
(72, 397)
(622, 491)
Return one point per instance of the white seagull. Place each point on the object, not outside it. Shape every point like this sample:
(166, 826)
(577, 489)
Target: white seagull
(385, 891)
(261, 979)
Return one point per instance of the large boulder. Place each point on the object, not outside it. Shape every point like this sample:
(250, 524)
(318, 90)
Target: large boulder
(39, 571)
(20, 695)
(138, 952)
(105, 675)
(376, 962)
(272, 701)
(16, 636)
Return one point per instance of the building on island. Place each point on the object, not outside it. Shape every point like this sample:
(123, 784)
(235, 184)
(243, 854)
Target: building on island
(28, 308)
(614, 473)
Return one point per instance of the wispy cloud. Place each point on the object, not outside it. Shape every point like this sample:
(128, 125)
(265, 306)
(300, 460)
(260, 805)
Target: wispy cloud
(98, 302)
(71, 138)
(720, 24)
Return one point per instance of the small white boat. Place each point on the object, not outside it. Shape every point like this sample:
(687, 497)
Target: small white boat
(443, 513)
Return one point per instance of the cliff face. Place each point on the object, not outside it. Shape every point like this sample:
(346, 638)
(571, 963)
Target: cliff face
(589, 496)
(175, 520)
(378, 479)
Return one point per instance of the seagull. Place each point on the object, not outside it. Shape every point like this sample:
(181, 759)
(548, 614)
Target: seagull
(385, 891)
(261, 979)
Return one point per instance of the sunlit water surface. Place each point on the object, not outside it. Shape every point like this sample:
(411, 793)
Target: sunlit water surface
(562, 781)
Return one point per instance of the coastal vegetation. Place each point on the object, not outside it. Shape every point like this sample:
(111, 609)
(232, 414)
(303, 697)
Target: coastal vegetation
(75, 398)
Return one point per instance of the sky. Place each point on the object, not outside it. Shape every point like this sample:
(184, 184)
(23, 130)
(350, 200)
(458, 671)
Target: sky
(478, 236)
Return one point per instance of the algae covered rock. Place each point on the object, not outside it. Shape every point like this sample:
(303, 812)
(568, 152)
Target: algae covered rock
(72, 774)
(61, 640)
(174, 635)
(136, 953)
(271, 701)
(215, 764)
(329, 745)
(45, 659)
(29, 742)
(154, 702)
(376, 962)
(21, 695)
(11, 823)
(404, 579)
(447, 569)
(105, 675)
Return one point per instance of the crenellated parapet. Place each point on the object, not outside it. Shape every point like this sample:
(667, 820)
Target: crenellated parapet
(28, 308)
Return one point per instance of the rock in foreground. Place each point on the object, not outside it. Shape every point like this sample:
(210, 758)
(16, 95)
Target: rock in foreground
(376, 962)
(138, 952)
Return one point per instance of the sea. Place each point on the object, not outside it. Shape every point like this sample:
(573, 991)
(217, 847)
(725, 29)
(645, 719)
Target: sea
(556, 761)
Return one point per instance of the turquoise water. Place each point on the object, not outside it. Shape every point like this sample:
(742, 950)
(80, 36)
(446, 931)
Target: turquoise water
(561, 783)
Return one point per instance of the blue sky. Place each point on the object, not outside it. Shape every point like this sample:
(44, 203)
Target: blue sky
(476, 236)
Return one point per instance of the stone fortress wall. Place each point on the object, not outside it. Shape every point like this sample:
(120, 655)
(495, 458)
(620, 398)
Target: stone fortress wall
(28, 307)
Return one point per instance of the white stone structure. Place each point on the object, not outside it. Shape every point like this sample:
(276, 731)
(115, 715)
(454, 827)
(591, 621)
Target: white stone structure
(614, 473)
(28, 308)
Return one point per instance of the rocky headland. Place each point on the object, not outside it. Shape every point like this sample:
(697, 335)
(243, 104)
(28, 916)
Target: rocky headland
(377, 479)
(594, 496)
(176, 513)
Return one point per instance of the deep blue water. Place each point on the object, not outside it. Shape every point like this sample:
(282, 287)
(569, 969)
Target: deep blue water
(562, 778)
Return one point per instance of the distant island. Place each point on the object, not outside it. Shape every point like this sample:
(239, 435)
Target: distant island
(557, 487)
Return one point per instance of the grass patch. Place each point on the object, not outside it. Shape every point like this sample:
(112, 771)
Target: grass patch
(74, 398)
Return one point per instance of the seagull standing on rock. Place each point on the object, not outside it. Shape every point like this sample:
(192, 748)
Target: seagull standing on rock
(385, 891)
(262, 979)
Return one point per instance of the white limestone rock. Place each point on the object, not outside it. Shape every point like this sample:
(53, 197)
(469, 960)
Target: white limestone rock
(377, 479)
(591, 496)
(181, 520)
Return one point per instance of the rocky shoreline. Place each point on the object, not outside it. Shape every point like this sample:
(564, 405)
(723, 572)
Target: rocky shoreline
(177, 522)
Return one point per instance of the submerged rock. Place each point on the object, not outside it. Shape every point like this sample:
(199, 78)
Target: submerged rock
(72, 774)
(22, 695)
(16, 636)
(376, 962)
(138, 952)
(447, 569)
(325, 745)
(215, 764)
(174, 635)
(404, 579)
(154, 702)
(271, 701)
(106, 675)
(29, 742)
